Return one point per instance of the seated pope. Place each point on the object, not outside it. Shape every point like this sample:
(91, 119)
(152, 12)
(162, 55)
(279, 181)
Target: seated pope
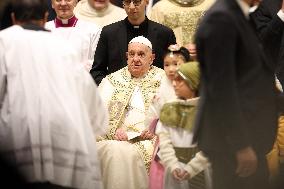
(125, 151)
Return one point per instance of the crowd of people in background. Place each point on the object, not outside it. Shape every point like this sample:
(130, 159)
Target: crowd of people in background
(142, 94)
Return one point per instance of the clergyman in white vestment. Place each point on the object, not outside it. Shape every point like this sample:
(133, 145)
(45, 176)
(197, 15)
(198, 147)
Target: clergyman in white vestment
(125, 151)
(82, 34)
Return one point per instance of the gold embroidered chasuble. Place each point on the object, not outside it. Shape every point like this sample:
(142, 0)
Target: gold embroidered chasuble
(124, 85)
(182, 16)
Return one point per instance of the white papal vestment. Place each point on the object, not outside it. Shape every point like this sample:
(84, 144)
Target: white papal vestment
(125, 164)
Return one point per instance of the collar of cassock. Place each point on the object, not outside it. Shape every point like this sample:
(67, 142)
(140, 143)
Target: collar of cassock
(71, 22)
(31, 26)
(142, 26)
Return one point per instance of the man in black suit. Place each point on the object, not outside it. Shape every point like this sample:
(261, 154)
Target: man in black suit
(269, 21)
(237, 118)
(110, 54)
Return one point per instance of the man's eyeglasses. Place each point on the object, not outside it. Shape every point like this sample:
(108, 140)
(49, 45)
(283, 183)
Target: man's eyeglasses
(127, 3)
(60, 1)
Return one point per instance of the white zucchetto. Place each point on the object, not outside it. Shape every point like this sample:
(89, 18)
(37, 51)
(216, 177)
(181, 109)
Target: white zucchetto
(143, 40)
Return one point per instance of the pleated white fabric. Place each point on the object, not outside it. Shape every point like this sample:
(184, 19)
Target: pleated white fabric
(49, 110)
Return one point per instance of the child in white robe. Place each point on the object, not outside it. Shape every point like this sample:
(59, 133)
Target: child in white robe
(175, 56)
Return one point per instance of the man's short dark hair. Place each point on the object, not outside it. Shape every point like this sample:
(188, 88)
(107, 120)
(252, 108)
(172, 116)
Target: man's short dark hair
(27, 10)
(5, 14)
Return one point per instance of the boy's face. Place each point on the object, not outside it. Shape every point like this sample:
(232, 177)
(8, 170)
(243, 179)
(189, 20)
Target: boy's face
(181, 88)
(171, 62)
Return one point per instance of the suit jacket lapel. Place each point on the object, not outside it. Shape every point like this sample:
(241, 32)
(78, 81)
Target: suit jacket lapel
(251, 33)
(259, 47)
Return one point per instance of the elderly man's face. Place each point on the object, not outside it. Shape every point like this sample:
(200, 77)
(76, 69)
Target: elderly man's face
(139, 59)
(98, 4)
(64, 8)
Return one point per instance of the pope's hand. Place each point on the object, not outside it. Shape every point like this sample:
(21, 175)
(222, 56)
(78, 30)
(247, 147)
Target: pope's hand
(146, 135)
(120, 134)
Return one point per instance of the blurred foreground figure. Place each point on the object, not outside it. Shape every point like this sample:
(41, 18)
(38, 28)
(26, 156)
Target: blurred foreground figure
(49, 105)
(237, 119)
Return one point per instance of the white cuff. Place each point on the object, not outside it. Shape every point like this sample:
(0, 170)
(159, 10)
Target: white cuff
(281, 15)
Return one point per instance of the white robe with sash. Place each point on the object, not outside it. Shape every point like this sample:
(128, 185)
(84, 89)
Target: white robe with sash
(49, 110)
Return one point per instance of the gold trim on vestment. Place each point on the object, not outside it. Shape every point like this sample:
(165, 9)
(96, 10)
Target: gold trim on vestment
(145, 149)
(124, 86)
(179, 20)
(188, 3)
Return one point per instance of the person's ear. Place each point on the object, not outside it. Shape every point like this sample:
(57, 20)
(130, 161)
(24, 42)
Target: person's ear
(45, 18)
(146, 1)
(153, 58)
(52, 4)
(126, 55)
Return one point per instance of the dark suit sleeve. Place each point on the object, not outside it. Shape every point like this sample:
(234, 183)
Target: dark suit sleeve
(169, 40)
(269, 27)
(280, 103)
(161, 37)
(100, 64)
(217, 43)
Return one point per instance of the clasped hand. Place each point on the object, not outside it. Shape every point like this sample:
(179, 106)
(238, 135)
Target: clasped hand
(146, 135)
(247, 162)
(120, 134)
(180, 175)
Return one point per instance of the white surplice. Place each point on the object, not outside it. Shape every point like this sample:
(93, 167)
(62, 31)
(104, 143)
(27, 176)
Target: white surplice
(84, 36)
(50, 110)
(109, 15)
